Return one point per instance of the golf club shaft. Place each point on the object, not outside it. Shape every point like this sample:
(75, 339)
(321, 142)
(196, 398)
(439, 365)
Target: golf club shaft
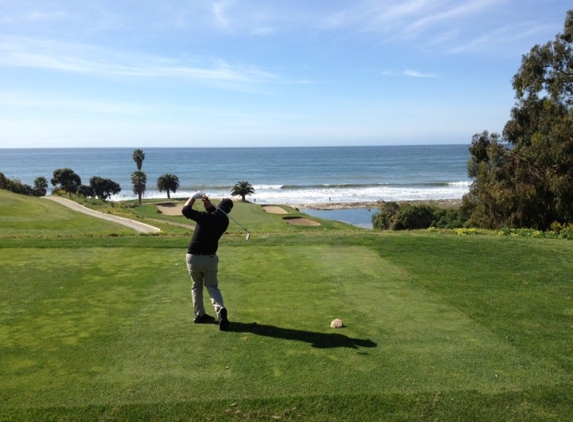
(239, 224)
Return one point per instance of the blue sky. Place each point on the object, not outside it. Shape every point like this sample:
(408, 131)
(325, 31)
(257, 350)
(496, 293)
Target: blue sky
(174, 73)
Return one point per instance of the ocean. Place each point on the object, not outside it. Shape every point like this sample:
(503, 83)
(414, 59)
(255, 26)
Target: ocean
(289, 175)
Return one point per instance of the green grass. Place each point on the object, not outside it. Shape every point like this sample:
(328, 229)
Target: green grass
(262, 222)
(439, 327)
(28, 216)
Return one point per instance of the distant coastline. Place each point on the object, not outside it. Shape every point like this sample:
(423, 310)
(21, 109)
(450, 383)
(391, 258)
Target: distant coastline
(328, 178)
(438, 203)
(326, 206)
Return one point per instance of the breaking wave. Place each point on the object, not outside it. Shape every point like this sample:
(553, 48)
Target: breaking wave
(324, 193)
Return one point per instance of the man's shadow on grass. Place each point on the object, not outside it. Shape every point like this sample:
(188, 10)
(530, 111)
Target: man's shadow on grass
(318, 340)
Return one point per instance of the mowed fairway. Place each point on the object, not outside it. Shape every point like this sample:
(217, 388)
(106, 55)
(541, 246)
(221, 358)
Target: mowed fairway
(439, 327)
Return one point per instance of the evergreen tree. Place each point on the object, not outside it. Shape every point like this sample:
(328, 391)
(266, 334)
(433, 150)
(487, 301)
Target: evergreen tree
(526, 178)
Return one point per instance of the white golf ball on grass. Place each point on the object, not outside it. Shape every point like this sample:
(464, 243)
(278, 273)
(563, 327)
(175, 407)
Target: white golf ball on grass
(337, 323)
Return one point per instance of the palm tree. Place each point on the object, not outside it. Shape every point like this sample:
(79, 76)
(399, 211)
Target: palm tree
(40, 186)
(138, 157)
(168, 182)
(139, 182)
(242, 189)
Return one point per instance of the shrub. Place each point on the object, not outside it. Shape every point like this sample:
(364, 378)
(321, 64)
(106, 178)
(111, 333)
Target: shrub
(448, 219)
(392, 216)
(15, 186)
(413, 217)
(563, 231)
(383, 219)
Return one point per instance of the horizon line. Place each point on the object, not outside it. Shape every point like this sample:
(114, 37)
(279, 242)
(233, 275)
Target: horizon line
(248, 147)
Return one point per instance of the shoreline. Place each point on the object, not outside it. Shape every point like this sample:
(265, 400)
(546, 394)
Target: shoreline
(437, 203)
(326, 206)
(169, 207)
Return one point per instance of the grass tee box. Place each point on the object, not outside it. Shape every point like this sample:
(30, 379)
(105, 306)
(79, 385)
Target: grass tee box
(439, 327)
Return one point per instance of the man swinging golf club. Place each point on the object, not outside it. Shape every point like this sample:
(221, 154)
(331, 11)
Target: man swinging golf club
(202, 260)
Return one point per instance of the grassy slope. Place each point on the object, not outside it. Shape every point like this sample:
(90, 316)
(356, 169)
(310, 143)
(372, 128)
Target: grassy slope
(23, 215)
(438, 327)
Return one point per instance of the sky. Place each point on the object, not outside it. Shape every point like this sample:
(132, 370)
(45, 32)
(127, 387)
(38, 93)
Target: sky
(245, 73)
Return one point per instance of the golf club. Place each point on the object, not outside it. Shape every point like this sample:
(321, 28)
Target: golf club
(239, 224)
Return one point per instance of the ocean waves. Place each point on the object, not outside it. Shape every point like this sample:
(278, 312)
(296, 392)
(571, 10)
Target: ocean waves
(324, 193)
(361, 186)
(297, 175)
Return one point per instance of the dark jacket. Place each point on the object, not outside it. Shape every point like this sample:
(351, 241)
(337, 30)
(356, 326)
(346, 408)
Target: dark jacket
(210, 226)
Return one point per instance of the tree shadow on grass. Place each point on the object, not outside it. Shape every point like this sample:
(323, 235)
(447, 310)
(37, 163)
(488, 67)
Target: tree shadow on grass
(318, 340)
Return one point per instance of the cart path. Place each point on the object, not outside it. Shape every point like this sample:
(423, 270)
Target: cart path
(132, 224)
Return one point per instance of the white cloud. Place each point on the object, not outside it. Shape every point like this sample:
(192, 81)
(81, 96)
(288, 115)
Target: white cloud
(220, 14)
(69, 104)
(416, 74)
(400, 11)
(264, 31)
(447, 25)
(32, 17)
(447, 15)
(410, 73)
(507, 35)
(88, 59)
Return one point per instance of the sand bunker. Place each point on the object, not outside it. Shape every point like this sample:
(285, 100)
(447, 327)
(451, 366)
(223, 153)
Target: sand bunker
(174, 209)
(169, 208)
(273, 209)
(300, 221)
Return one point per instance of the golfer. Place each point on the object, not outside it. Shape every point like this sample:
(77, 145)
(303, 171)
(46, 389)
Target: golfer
(202, 260)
